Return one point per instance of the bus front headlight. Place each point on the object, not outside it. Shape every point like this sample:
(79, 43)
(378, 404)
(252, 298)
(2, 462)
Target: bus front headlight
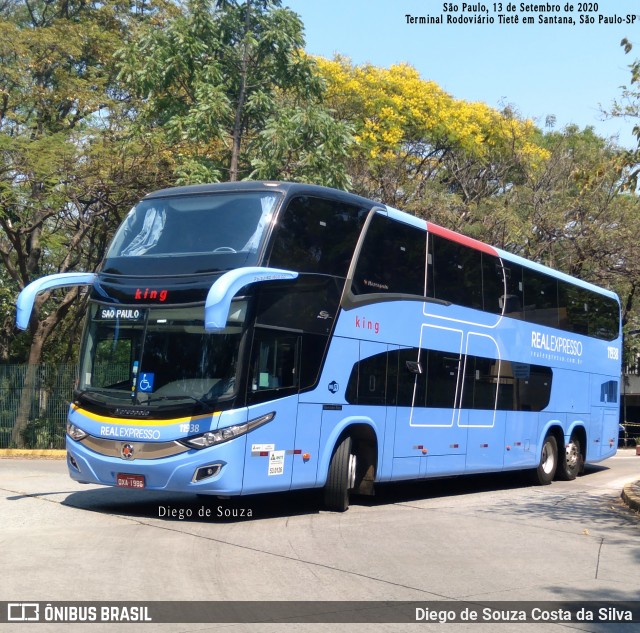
(75, 432)
(211, 438)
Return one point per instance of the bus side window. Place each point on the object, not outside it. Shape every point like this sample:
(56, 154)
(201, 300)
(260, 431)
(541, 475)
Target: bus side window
(512, 302)
(480, 383)
(368, 381)
(392, 259)
(274, 361)
(492, 283)
(457, 272)
(315, 235)
(540, 298)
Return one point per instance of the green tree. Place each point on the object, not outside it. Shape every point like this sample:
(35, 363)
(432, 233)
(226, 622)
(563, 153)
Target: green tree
(304, 143)
(65, 164)
(214, 76)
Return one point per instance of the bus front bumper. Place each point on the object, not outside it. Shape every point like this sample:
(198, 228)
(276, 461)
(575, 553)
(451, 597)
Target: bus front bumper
(217, 470)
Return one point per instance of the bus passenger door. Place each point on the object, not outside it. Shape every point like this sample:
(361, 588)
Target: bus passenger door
(478, 404)
(273, 388)
(433, 413)
(426, 418)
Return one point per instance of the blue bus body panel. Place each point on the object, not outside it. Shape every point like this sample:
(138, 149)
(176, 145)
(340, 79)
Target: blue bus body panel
(294, 449)
(440, 441)
(168, 473)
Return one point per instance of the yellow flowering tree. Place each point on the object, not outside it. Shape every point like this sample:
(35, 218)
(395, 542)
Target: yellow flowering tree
(410, 132)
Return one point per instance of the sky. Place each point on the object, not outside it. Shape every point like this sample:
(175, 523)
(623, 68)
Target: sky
(570, 71)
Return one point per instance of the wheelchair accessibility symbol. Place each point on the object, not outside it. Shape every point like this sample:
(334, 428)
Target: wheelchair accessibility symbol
(146, 382)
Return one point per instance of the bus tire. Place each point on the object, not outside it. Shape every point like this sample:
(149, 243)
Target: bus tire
(341, 477)
(546, 470)
(570, 464)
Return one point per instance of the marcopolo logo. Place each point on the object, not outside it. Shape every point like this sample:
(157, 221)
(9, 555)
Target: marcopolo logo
(556, 344)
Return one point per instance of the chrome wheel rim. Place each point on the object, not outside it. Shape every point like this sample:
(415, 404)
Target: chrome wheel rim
(351, 481)
(548, 459)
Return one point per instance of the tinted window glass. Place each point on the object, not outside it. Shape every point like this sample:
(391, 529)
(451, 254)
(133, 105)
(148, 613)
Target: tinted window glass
(317, 236)
(524, 387)
(609, 391)
(480, 383)
(603, 317)
(392, 259)
(513, 300)
(589, 313)
(442, 379)
(540, 298)
(432, 382)
(368, 380)
(573, 310)
(274, 364)
(313, 348)
(191, 234)
(408, 381)
(492, 283)
(457, 272)
(309, 303)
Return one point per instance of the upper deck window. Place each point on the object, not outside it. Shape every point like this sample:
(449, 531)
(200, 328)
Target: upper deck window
(392, 259)
(190, 234)
(315, 235)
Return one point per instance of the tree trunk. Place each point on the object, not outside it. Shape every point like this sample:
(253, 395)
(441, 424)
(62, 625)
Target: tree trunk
(237, 121)
(41, 330)
(28, 388)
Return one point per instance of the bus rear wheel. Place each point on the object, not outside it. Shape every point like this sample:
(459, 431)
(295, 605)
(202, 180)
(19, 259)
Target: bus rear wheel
(341, 477)
(546, 470)
(570, 465)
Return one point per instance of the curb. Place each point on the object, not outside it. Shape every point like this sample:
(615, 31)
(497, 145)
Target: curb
(26, 453)
(631, 495)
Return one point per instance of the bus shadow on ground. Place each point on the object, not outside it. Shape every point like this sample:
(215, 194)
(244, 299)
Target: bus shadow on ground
(178, 507)
(173, 507)
(406, 492)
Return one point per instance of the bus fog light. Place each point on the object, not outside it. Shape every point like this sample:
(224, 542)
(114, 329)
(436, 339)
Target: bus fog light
(73, 462)
(204, 472)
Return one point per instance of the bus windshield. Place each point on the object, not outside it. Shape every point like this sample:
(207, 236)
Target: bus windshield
(159, 356)
(190, 234)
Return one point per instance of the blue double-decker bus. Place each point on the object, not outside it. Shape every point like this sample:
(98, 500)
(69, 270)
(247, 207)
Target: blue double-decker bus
(254, 337)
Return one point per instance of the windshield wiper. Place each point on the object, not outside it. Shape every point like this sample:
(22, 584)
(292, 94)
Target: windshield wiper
(203, 403)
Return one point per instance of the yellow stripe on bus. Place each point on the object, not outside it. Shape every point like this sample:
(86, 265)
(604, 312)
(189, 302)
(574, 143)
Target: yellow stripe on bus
(102, 419)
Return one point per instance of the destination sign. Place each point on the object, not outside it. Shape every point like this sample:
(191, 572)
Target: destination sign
(120, 314)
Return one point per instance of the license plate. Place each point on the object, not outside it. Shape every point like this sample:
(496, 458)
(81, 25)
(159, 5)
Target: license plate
(129, 481)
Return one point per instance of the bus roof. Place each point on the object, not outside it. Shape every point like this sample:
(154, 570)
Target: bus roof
(293, 188)
(263, 185)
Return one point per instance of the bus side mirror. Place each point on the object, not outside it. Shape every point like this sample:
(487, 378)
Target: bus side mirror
(216, 308)
(27, 297)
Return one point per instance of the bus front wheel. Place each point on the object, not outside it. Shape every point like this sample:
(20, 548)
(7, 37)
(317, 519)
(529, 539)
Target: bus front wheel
(546, 470)
(341, 477)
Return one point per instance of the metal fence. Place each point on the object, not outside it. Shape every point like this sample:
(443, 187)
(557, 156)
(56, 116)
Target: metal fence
(47, 406)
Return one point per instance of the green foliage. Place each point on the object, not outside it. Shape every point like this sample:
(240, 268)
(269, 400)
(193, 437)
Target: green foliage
(303, 144)
(209, 81)
(101, 102)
